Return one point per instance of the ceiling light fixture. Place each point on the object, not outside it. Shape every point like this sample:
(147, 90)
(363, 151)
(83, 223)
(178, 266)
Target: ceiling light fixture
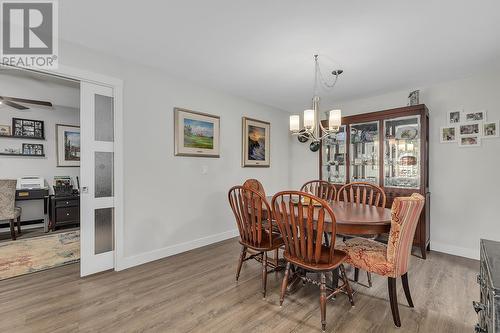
(312, 129)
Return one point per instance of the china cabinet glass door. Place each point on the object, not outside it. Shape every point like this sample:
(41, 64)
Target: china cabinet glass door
(334, 161)
(402, 152)
(364, 152)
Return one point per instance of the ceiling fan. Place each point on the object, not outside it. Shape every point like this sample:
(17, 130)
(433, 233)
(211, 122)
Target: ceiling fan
(14, 102)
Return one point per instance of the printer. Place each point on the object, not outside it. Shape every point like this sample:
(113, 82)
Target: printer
(30, 183)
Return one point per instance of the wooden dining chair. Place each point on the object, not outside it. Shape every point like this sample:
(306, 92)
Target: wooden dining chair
(302, 228)
(8, 209)
(254, 184)
(320, 188)
(362, 193)
(255, 224)
(390, 260)
(366, 194)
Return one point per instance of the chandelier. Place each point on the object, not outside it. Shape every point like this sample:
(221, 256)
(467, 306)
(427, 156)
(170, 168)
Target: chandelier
(313, 130)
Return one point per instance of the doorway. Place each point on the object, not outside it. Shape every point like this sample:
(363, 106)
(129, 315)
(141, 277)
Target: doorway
(99, 181)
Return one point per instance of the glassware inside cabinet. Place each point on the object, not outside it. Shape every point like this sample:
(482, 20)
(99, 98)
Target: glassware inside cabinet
(334, 152)
(364, 152)
(402, 152)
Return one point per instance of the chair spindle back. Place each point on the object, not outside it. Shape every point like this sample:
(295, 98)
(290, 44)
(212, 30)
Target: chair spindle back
(320, 188)
(362, 193)
(253, 215)
(302, 226)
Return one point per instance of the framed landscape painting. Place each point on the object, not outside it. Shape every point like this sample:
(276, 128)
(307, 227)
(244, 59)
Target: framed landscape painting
(196, 134)
(68, 145)
(256, 143)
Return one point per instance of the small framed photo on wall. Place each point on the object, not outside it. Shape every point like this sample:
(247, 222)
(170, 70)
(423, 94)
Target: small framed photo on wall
(196, 134)
(448, 134)
(256, 143)
(5, 130)
(454, 117)
(470, 141)
(28, 128)
(475, 116)
(33, 149)
(472, 128)
(490, 129)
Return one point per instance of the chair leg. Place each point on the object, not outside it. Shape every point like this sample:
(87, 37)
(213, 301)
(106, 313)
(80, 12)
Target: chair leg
(284, 284)
(346, 283)
(327, 240)
(12, 230)
(369, 276)
(406, 288)
(393, 298)
(19, 225)
(264, 273)
(322, 301)
(356, 274)
(240, 263)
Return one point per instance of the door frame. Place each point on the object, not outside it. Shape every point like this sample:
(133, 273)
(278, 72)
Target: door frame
(116, 84)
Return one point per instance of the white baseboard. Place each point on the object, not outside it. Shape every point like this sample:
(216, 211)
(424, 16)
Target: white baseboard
(455, 250)
(127, 262)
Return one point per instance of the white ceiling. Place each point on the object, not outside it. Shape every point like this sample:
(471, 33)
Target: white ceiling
(262, 50)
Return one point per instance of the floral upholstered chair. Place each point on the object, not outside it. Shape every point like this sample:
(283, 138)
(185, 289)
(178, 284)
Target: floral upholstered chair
(8, 210)
(390, 260)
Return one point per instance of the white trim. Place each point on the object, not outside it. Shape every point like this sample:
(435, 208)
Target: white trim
(69, 72)
(455, 250)
(168, 251)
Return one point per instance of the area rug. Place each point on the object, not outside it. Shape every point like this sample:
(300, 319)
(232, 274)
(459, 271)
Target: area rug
(30, 255)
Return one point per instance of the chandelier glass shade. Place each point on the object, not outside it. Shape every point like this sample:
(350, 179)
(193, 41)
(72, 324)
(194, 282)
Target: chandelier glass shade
(312, 129)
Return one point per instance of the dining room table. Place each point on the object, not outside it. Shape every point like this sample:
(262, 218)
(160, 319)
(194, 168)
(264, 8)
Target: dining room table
(356, 219)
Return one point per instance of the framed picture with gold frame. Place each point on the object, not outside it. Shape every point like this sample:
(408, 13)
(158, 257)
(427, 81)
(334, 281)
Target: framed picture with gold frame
(196, 133)
(256, 143)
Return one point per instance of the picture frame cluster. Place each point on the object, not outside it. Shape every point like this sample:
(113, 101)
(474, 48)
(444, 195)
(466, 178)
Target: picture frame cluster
(468, 128)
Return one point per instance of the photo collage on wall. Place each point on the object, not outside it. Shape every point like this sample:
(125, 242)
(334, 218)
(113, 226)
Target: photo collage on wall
(468, 128)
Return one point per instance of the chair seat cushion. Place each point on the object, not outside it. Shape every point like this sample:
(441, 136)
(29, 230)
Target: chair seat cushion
(323, 264)
(265, 244)
(368, 255)
(10, 214)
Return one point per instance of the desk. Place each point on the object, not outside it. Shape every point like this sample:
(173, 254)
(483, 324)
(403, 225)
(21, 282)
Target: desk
(36, 194)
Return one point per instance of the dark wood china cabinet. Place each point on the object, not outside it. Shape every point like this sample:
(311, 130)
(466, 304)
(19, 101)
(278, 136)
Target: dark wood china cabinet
(389, 148)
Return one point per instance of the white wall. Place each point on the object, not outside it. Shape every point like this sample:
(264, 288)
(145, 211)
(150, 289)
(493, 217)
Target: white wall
(65, 111)
(170, 206)
(464, 182)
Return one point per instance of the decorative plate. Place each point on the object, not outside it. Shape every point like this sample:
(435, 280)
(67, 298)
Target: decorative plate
(408, 132)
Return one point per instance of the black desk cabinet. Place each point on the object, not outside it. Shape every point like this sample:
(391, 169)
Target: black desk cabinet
(64, 210)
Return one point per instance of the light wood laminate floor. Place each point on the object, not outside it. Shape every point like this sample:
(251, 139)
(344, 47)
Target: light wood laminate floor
(196, 292)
